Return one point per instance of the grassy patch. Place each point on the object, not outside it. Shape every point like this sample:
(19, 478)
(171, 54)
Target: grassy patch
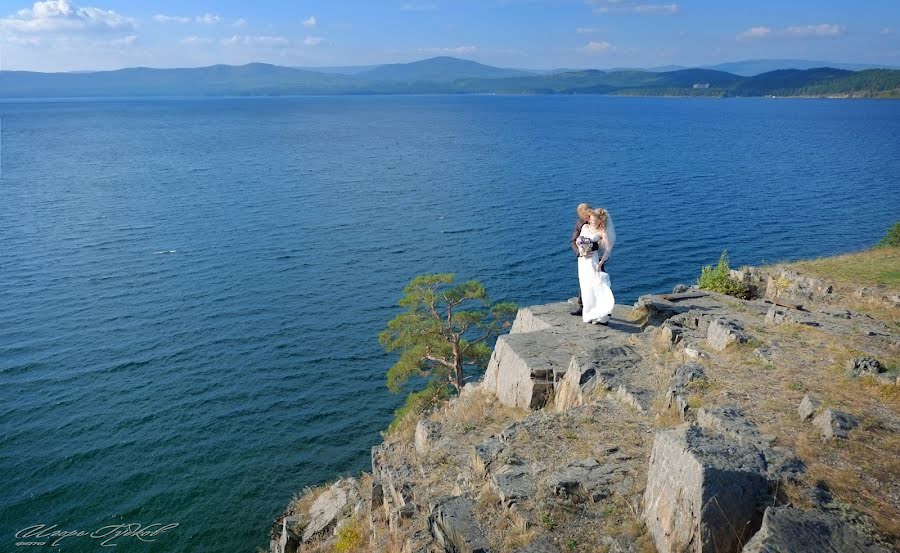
(876, 267)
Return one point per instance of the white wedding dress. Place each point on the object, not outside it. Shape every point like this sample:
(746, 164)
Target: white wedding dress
(596, 294)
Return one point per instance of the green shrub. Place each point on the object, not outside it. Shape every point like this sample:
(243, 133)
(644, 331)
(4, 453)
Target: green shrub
(892, 238)
(718, 279)
(350, 538)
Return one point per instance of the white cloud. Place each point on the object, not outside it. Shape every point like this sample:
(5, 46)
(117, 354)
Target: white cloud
(60, 16)
(823, 30)
(313, 40)
(632, 7)
(196, 40)
(310, 22)
(258, 40)
(657, 9)
(754, 33)
(240, 22)
(594, 47)
(458, 50)
(208, 19)
(205, 19)
(161, 18)
(588, 30)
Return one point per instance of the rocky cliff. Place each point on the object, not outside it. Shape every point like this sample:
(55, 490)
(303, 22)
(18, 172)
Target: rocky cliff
(693, 422)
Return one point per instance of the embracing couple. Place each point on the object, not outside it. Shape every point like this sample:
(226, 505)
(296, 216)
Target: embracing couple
(593, 234)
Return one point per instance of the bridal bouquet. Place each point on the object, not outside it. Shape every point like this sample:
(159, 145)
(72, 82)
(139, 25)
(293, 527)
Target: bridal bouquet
(585, 245)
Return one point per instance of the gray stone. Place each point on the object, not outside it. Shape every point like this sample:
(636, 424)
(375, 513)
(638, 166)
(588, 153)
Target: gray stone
(834, 423)
(778, 315)
(685, 375)
(329, 506)
(722, 333)
(680, 288)
(289, 541)
(864, 365)
(454, 526)
(658, 309)
(790, 530)
(603, 368)
(513, 483)
(579, 381)
(520, 371)
(486, 453)
(542, 544)
(730, 421)
(425, 433)
(808, 407)
(703, 491)
(671, 332)
(586, 476)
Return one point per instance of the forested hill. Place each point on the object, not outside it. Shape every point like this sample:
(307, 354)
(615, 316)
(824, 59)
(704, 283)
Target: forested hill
(445, 76)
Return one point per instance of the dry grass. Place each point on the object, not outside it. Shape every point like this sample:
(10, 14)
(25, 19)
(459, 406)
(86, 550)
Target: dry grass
(863, 472)
(877, 267)
(301, 502)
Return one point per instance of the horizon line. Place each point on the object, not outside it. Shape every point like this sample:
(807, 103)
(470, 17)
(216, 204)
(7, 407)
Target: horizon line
(532, 69)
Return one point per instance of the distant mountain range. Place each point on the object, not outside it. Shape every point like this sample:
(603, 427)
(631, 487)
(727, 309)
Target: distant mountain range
(447, 75)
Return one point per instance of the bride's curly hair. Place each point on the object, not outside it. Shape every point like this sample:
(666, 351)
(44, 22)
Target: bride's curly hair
(601, 215)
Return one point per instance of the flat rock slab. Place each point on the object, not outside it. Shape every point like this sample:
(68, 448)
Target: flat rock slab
(558, 316)
(659, 309)
(587, 476)
(454, 526)
(514, 483)
(790, 530)
(730, 421)
(329, 506)
(703, 492)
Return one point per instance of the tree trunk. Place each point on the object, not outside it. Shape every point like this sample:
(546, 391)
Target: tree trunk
(457, 362)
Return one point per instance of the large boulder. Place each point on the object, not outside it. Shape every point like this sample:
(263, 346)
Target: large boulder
(521, 369)
(704, 492)
(790, 530)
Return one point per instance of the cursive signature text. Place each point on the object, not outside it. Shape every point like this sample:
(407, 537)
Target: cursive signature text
(108, 535)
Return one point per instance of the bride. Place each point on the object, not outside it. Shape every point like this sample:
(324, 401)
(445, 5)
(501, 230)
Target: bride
(596, 293)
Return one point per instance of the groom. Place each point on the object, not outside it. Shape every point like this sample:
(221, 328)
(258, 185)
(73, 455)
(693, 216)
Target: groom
(583, 212)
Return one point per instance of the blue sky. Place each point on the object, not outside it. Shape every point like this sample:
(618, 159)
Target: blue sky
(66, 35)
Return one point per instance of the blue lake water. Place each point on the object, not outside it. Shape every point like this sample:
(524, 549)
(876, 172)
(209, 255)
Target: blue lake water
(191, 289)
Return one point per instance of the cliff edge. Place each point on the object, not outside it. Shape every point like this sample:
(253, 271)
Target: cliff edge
(693, 422)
